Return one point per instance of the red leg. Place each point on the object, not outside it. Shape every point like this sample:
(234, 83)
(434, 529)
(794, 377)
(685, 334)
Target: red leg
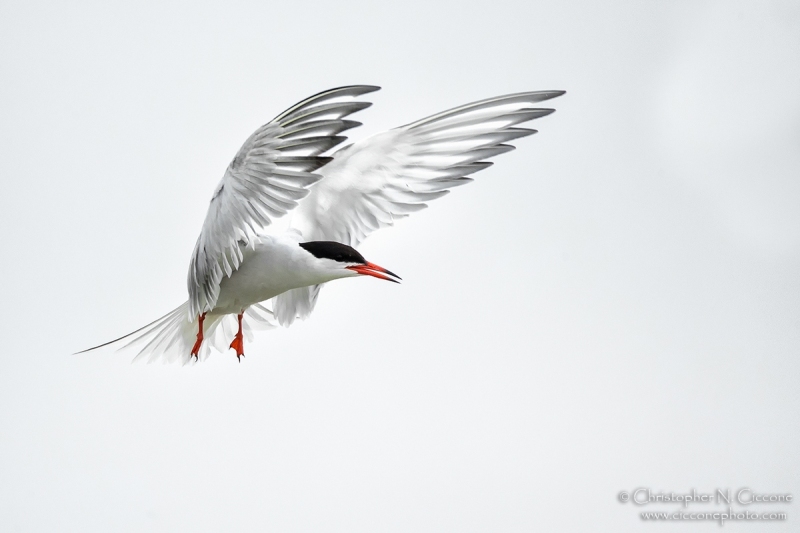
(199, 341)
(238, 340)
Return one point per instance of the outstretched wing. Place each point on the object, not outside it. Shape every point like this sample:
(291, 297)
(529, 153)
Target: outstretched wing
(266, 179)
(374, 182)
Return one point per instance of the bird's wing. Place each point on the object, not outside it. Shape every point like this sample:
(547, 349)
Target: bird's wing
(293, 304)
(374, 182)
(269, 175)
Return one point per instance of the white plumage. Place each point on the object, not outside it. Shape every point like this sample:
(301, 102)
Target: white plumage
(342, 197)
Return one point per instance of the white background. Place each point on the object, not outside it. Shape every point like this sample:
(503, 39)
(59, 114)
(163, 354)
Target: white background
(613, 305)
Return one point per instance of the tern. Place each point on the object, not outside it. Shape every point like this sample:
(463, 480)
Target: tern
(334, 200)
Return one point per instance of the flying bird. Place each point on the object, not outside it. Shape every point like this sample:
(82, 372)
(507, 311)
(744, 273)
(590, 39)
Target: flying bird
(335, 199)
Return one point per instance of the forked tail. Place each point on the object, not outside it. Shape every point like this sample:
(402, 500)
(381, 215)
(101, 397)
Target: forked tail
(170, 338)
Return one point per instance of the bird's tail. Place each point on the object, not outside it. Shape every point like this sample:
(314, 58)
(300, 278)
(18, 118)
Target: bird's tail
(170, 338)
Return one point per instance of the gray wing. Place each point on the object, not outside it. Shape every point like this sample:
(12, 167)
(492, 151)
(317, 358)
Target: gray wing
(269, 175)
(372, 183)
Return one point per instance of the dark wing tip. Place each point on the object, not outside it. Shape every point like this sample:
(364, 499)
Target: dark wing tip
(352, 90)
(335, 93)
(539, 112)
(548, 95)
(368, 88)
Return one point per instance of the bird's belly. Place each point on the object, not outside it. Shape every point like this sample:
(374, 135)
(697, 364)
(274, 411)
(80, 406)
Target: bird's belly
(263, 274)
(235, 297)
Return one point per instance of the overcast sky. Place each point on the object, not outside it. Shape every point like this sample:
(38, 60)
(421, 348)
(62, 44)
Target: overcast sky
(613, 305)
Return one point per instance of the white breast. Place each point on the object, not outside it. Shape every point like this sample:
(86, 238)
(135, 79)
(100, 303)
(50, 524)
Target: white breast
(276, 265)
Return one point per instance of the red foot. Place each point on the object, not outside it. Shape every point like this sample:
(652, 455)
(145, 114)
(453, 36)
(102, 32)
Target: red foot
(199, 341)
(238, 340)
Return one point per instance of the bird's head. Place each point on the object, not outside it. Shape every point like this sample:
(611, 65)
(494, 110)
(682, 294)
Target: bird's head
(344, 261)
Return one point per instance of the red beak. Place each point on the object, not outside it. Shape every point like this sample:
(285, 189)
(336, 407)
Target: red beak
(371, 269)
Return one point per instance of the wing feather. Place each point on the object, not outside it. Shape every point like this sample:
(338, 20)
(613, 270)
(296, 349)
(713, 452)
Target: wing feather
(270, 174)
(374, 182)
(319, 127)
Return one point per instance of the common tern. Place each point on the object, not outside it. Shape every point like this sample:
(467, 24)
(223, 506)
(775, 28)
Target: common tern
(335, 200)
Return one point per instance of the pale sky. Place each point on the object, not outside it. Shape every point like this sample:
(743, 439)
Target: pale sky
(613, 305)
